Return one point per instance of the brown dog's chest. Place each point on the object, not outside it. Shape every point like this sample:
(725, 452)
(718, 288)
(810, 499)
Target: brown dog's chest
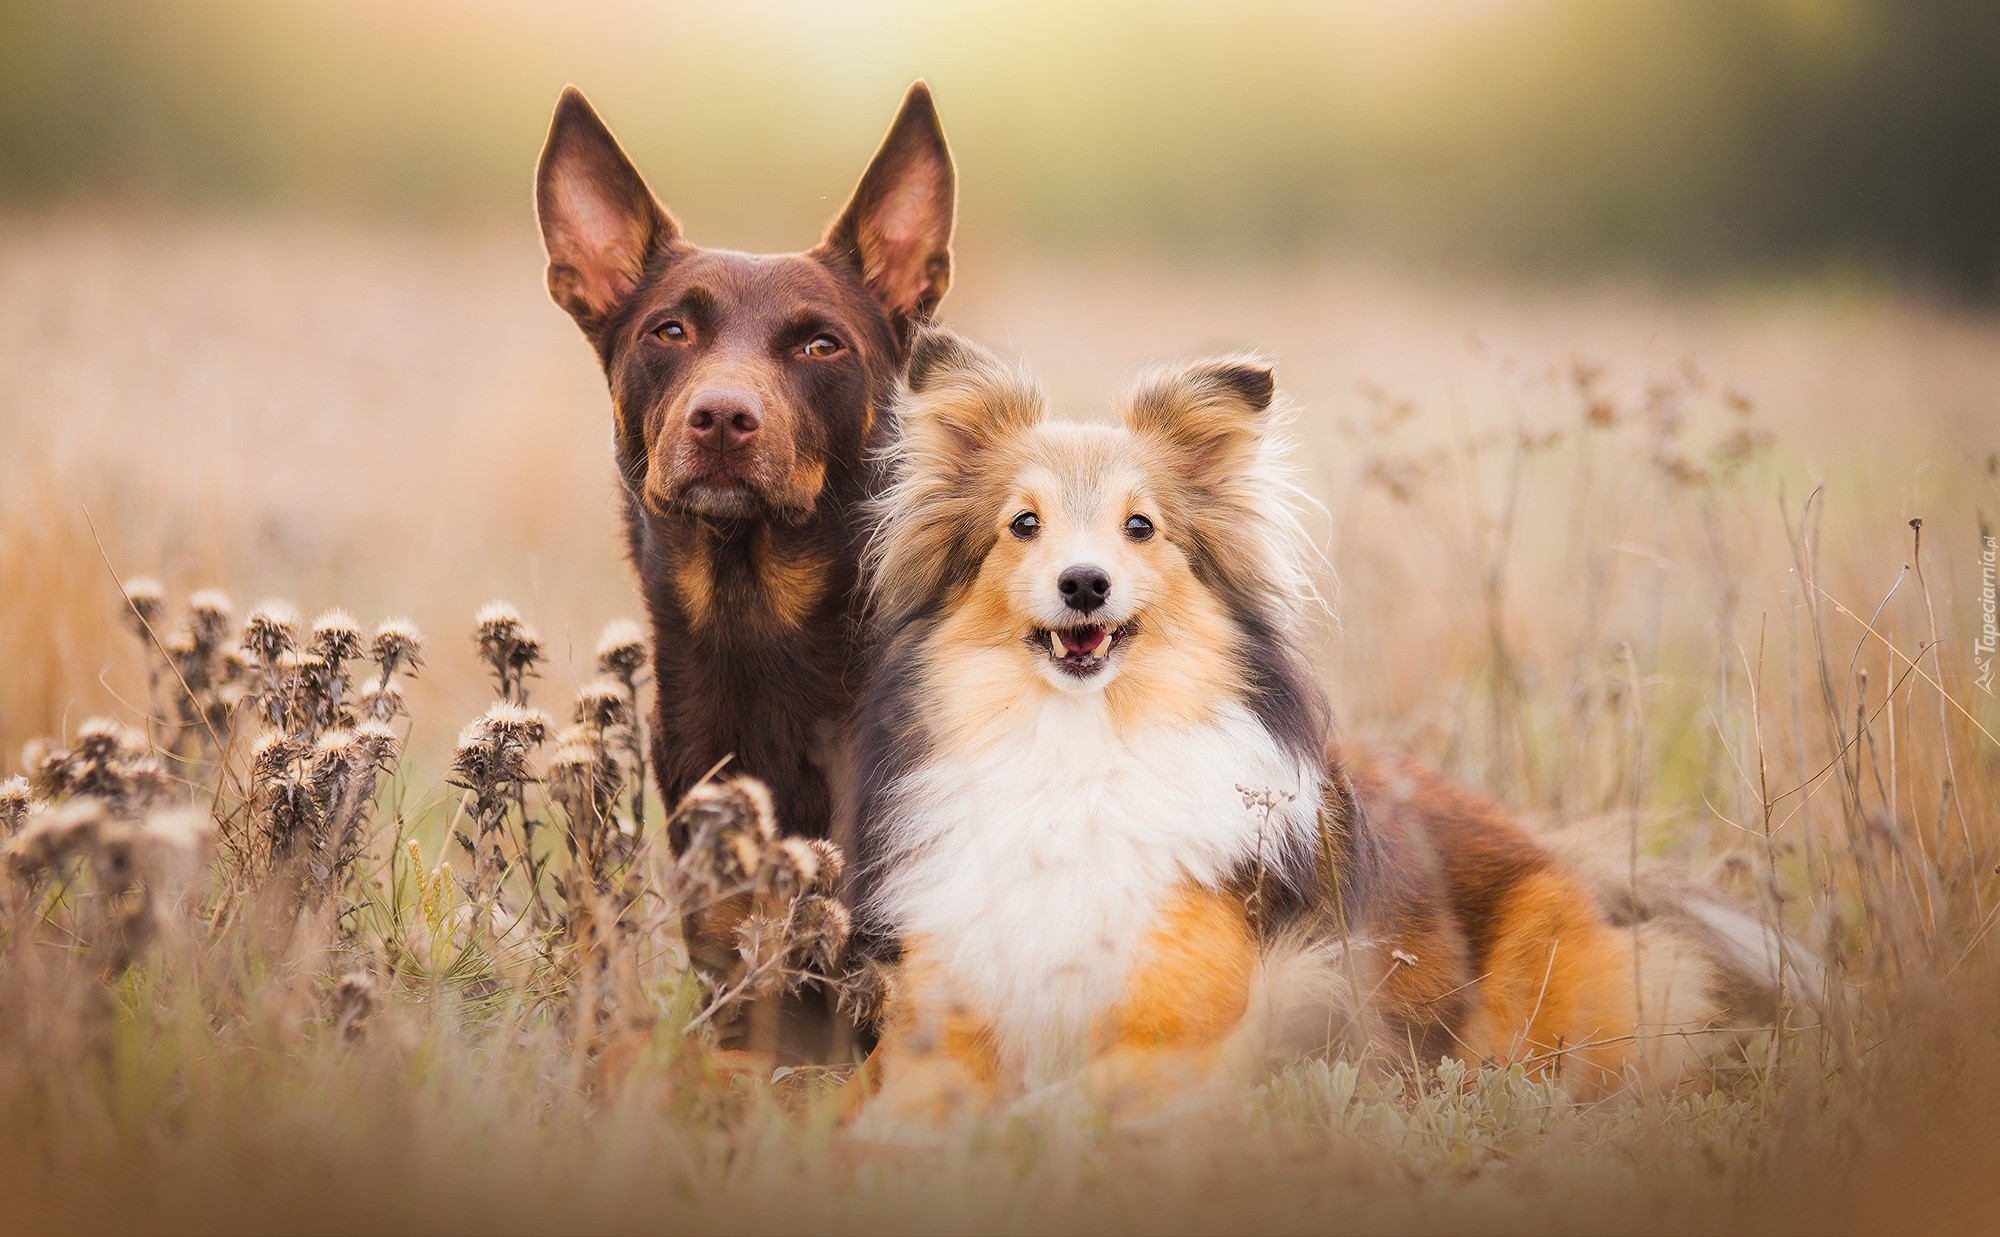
(753, 655)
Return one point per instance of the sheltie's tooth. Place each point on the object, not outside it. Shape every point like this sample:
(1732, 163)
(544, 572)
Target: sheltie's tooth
(1055, 646)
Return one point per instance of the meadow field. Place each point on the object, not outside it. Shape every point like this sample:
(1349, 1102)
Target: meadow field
(1695, 580)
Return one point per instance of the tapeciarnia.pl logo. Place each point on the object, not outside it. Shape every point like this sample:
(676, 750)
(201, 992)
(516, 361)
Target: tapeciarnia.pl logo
(1989, 616)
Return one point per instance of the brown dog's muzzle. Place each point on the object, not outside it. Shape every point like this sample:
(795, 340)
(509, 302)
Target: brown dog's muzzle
(726, 451)
(722, 425)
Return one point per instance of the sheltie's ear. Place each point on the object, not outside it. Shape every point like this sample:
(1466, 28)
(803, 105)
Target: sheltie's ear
(960, 400)
(958, 408)
(1215, 433)
(1210, 416)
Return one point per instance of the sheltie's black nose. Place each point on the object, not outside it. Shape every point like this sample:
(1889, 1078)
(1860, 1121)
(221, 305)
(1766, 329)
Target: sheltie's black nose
(1083, 588)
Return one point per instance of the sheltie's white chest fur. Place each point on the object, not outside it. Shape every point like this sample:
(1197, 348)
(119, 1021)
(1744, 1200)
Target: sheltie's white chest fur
(1033, 861)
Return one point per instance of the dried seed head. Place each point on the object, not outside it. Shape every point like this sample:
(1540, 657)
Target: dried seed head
(381, 702)
(511, 723)
(355, 996)
(576, 749)
(107, 761)
(333, 761)
(398, 647)
(621, 650)
(509, 646)
(232, 664)
(16, 801)
(831, 864)
(728, 830)
(271, 631)
(378, 745)
(864, 992)
(820, 931)
(313, 687)
(790, 868)
(764, 816)
(497, 620)
(583, 777)
(603, 703)
(336, 637)
(763, 943)
(53, 837)
(210, 616)
(272, 757)
(493, 748)
(145, 606)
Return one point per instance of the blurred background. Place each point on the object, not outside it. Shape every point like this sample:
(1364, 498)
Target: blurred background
(271, 307)
(1690, 142)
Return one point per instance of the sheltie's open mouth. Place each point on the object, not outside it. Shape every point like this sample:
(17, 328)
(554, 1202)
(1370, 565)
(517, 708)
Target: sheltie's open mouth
(1081, 651)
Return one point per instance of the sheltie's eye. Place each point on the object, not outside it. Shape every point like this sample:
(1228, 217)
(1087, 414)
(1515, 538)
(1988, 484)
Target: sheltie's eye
(1025, 525)
(672, 332)
(1139, 528)
(819, 347)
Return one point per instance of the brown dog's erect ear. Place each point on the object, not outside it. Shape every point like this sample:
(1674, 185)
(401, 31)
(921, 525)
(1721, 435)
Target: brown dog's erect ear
(897, 226)
(599, 221)
(1212, 414)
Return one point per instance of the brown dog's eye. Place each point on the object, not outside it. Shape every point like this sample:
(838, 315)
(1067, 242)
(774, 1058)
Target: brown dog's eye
(672, 332)
(820, 346)
(1139, 528)
(1025, 525)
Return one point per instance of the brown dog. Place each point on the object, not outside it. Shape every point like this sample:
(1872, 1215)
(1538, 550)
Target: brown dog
(750, 391)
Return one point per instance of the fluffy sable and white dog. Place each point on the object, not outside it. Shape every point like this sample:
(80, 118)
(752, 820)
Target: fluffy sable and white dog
(1103, 836)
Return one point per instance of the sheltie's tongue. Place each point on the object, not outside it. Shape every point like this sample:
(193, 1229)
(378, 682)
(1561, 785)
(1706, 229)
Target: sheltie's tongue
(1080, 641)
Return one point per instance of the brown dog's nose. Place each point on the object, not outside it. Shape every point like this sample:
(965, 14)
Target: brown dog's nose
(723, 419)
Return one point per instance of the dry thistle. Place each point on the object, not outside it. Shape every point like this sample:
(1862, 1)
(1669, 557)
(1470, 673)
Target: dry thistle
(493, 748)
(584, 779)
(311, 693)
(380, 702)
(728, 826)
(379, 746)
(55, 837)
(864, 992)
(271, 631)
(621, 651)
(355, 996)
(210, 616)
(820, 929)
(621, 656)
(281, 799)
(790, 867)
(336, 638)
(398, 647)
(145, 606)
(142, 869)
(106, 762)
(763, 941)
(832, 862)
(16, 801)
(510, 648)
(603, 703)
(491, 761)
